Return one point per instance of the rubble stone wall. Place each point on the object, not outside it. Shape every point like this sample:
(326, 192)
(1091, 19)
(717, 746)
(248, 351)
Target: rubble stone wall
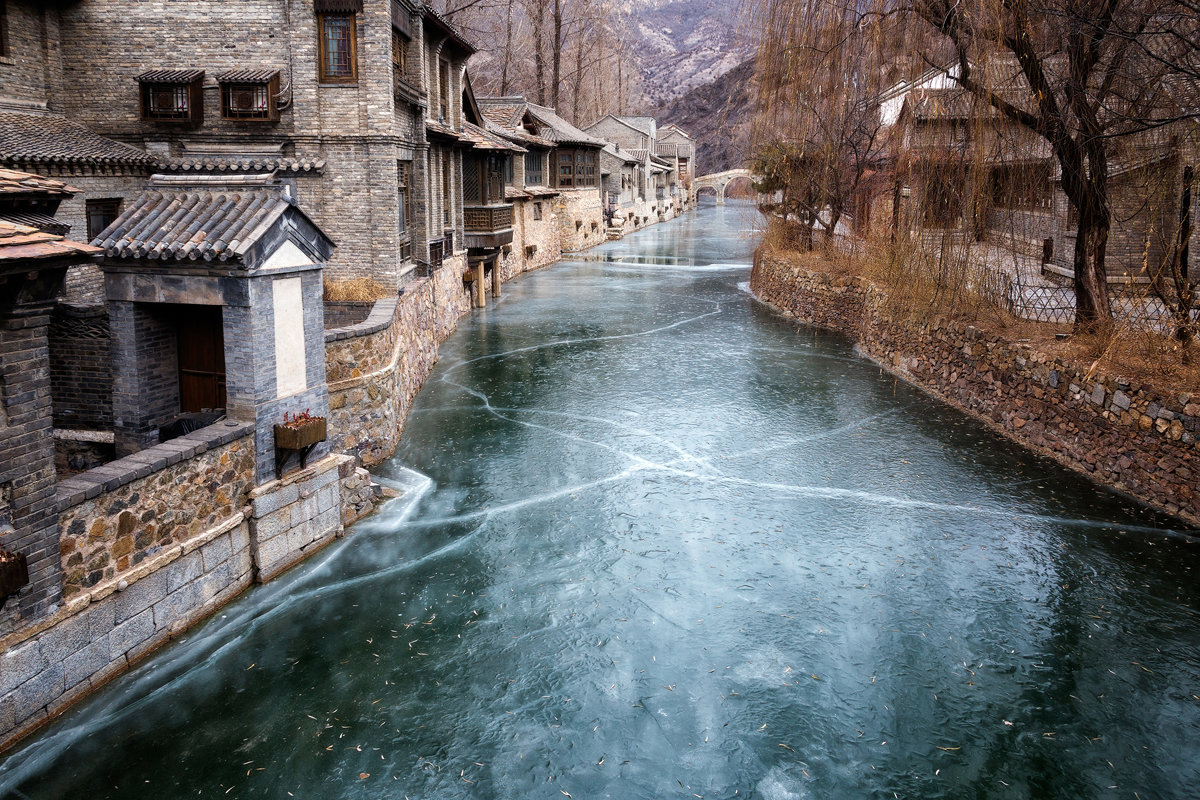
(376, 368)
(1136, 438)
(580, 219)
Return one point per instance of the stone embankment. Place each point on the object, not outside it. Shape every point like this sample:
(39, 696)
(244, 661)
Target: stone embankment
(1138, 439)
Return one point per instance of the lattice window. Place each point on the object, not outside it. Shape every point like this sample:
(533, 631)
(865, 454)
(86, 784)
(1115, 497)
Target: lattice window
(338, 48)
(404, 182)
(172, 96)
(471, 185)
(250, 96)
(535, 174)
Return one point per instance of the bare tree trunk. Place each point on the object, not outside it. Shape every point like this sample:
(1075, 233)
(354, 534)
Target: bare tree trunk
(506, 61)
(557, 54)
(577, 88)
(539, 48)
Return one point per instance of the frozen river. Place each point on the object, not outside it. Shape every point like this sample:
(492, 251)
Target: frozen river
(669, 545)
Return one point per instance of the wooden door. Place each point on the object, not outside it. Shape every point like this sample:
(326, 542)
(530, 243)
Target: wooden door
(201, 358)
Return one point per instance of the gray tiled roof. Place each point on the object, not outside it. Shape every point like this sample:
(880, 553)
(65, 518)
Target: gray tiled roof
(51, 139)
(189, 218)
(170, 75)
(557, 129)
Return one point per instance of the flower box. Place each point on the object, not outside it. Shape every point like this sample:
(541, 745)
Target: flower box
(298, 434)
(14, 573)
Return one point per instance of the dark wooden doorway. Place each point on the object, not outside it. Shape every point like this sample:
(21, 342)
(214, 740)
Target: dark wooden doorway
(201, 358)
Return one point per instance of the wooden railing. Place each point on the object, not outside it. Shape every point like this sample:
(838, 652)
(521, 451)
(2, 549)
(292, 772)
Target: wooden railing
(487, 218)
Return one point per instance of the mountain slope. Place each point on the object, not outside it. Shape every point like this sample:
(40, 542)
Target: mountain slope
(683, 44)
(719, 115)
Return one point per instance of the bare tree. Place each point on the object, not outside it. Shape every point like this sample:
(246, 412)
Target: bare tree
(1093, 79)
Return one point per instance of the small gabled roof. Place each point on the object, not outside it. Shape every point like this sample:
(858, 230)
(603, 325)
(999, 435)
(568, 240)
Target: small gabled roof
(505, 111)
(51, 139)
(624, 121)
(624, 155)
(646, 125)
(202, 218)
(558, 130)
(482, 139)
(672, 128)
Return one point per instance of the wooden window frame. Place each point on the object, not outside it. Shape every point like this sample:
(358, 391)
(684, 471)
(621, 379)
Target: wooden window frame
(540, 172)
(270, 114)
(4, 51)
(324, 74)
(194, 92)
(404, 190)
(107, 206)
(400, 46)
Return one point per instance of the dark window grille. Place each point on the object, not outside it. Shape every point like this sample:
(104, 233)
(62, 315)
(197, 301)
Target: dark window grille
(178, 102)
(251, 101)
(4, 28)
(404, 194)
(534, 172)
(100, 214)
(437, 253)
(337, 48)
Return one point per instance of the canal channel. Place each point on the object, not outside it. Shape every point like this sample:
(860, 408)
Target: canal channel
(660, 542)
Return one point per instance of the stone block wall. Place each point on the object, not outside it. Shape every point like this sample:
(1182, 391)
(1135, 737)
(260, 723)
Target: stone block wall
(81, 367)
(104, 631)
(27, 504)
(1136, 438)
(344, 313)
(375, 370)
(115, 517)
(529, 231)
(292, 518)
(580, 219)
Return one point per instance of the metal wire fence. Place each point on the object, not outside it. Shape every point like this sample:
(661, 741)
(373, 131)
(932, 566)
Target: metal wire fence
(1132, 304)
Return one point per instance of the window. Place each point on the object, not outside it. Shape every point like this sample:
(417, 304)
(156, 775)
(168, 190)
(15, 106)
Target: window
(404, 193)
(172, 95)
(437, 253)
(508, 171)
(576, 168)
(444, 90)
(3, 28)
(447, 203)
(399, 54)
(534, 175)
(566, 168)
(100, 214)
(250, 95)
(338, 48)
(537, 211)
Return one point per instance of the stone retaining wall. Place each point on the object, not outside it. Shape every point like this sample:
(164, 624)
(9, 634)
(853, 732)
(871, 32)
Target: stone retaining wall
(292, 518)
(101, 632)
(1135, 438)
(114, 517)
(375, 369)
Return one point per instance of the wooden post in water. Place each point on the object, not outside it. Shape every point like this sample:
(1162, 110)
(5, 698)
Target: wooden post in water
(480, 294)
(496, 278)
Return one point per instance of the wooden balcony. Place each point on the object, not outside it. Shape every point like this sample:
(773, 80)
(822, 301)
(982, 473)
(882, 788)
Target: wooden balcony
(488, 227)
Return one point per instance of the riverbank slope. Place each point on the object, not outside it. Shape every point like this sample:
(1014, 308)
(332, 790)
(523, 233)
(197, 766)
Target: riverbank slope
(1136, 438)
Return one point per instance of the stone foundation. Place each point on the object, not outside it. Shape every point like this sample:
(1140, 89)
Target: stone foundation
(292, 518)
(1138, 439)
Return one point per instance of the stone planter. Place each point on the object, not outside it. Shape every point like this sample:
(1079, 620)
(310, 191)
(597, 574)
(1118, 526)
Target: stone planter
(14, 573)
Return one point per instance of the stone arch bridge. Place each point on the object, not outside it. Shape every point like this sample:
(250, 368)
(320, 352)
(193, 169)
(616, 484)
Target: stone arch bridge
(719, 182)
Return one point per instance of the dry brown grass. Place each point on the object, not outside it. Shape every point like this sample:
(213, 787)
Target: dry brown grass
(356, 289)
(922, 286)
